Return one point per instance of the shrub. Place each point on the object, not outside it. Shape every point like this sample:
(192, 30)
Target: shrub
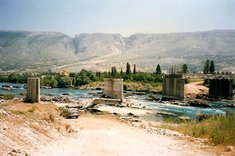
(68, 128)
(7, 96)
(50, 118)
(64, 82)
(219, 129)
(124, 87)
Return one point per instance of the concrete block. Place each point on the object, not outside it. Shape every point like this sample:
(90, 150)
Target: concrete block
(33, 89)
(221, 88)
(113, 88)
(173, 88)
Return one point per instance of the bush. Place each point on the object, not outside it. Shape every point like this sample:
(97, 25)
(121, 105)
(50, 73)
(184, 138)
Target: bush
(64, 82)
(7, 96)
(219, 129)
(82, 80)
(124, 87)
(85, 77)
(49, 81)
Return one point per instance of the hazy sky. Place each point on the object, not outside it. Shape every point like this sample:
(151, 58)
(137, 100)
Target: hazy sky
(117, 16)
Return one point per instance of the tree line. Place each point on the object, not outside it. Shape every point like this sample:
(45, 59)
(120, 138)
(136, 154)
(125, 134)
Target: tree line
(132, 75)
(84, 77)
(209, 67)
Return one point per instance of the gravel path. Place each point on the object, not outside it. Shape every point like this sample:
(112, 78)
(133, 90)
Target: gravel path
(108, 137)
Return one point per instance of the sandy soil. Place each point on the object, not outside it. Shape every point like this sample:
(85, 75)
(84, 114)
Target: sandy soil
(23, 127)
(124, 110)
(195, 88)
(102, 136)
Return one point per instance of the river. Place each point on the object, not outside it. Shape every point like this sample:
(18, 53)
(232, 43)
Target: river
(18, 89)
(217, 107)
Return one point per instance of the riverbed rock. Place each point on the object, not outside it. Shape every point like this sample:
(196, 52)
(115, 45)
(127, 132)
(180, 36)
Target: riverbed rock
(201, 117)
(17, 152)
(230, 105)
(185, 118)
(201, 96)
(229, 148)
(2, 101)
(130, 114)
(61, 99)
(199, 103)
(46, 98)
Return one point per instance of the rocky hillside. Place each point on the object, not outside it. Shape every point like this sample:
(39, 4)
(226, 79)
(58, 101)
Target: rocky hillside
(100, 51)
(22, 49)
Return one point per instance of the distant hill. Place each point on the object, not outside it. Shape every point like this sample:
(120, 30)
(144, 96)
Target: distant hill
(52, 50)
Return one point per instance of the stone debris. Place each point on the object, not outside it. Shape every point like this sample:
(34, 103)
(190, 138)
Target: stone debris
(3, 112)
(229, 148)
(2, 101)
(18, 152)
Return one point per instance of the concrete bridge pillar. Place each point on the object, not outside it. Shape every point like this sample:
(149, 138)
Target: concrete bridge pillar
(33, 89)
(221, 88)
(113, 88)
(173, 87)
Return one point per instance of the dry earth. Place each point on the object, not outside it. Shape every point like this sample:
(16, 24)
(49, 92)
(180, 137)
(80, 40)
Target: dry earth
(194, 88)
(38, 130)
(102, 136)
(23, 127)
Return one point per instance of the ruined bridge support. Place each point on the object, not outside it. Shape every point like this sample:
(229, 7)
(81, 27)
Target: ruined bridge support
(221, 88)
(113, 88)
(33, 89)
(173, 87)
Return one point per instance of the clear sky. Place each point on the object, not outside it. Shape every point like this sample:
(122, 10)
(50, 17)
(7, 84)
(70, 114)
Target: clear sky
(117, 16)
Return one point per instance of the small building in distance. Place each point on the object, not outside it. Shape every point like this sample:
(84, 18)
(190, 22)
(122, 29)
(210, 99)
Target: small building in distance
(65, 73)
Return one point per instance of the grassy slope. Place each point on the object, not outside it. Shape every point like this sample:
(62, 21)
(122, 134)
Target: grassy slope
(218, 129)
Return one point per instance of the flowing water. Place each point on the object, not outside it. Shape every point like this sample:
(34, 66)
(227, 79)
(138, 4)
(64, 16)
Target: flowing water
(20, 89)
(217, 107)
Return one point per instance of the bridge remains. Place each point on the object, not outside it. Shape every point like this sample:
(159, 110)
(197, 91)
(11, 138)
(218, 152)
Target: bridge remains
(113, 88)
(173, 87)
(33, 89)
(221, 88)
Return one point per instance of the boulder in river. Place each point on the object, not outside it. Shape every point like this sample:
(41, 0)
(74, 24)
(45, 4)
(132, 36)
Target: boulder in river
(230, 105)
(199, 103)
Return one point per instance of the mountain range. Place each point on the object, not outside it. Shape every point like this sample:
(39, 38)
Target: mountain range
(97, 51)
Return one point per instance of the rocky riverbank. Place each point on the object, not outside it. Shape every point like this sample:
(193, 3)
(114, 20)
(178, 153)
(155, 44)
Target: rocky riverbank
(130, 112)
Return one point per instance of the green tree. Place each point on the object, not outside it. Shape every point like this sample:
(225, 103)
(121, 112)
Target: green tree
(82, 80)
(158, 69)
(128, 69)
(64, 82)
(212, 67)
(206, 67)
(84, 77)
(114, 71)
(53, 82)
(121, 72)
(13, 77)
(185, 68)
(134, 70)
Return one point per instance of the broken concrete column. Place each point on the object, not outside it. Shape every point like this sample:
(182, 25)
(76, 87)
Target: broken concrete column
(33, 89)
(173, 87)
(113, 88)
(221, 88)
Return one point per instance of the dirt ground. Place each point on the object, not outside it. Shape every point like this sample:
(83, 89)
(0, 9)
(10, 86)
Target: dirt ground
(25, 126)
(194, 88)
(38, 130)
(101, 136)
